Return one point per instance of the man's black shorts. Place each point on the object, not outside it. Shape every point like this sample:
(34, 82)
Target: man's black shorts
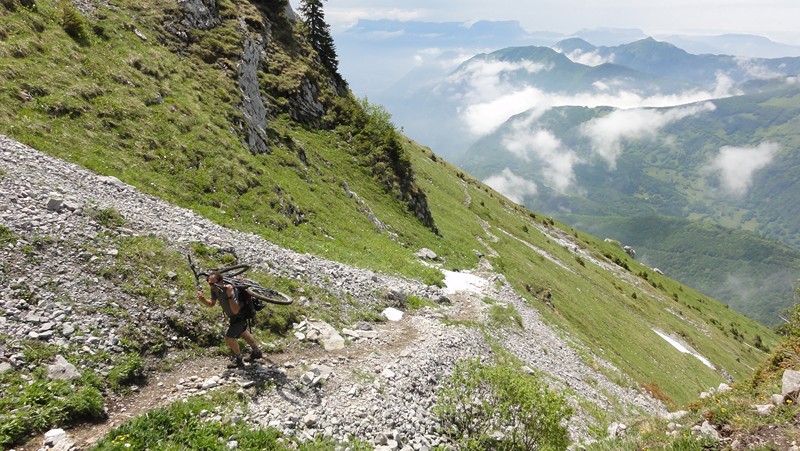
(237, 327)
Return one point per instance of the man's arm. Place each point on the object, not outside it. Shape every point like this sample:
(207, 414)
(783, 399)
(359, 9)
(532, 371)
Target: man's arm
(207, 302)
(232, 299)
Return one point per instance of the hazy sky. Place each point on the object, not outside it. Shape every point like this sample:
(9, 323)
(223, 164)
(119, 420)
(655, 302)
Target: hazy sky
(776, 19)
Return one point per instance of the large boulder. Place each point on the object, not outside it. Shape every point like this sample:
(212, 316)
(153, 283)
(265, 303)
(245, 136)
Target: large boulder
(790, 387)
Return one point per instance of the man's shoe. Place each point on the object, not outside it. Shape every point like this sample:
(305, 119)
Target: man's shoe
(237, 362)
(255, 354)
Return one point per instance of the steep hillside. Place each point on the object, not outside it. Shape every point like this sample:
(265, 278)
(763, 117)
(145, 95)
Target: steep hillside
(752, 275)
(154, 146)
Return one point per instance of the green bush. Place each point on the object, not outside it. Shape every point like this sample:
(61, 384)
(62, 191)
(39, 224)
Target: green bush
(126, 372)
(41, 404)
(107, 217)
(505, 315)
(501, 407)
(73, 23)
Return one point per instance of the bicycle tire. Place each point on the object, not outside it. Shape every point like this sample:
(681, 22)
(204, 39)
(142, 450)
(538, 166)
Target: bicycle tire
(269, 295)
(232, 271)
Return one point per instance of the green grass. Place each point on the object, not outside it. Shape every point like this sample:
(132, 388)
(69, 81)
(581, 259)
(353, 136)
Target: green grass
(189, 425)
(166, 122)
(33, 403)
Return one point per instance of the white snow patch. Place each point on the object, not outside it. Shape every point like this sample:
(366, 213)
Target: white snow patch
(462, 281)
(680, 347)
(392, 314)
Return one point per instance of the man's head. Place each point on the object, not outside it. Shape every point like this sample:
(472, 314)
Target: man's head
(214, 277)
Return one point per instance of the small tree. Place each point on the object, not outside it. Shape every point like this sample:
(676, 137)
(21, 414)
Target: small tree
(319, 34)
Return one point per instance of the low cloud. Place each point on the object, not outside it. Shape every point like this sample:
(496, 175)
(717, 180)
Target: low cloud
(737, 165)
(753, 69)
(487, 99)
(511, 185)
(557, 160)
(435, 55)
(607, 133)
(486, 80)
(483, 118)
(587, 58)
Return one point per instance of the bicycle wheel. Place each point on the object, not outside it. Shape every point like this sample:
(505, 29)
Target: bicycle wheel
(232, 271)
(269, 295)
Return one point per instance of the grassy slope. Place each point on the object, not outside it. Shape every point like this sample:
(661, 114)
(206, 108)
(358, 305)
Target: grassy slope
(593, 304)
(753, 275)
(97, 105)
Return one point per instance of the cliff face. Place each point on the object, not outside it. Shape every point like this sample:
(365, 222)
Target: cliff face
(274, 67)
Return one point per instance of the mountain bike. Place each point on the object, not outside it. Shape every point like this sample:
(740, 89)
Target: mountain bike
(233, 275)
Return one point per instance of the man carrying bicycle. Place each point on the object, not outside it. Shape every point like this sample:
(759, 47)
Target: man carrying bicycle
(227, 297)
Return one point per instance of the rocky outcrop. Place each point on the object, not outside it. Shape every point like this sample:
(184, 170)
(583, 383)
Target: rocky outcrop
(253, 109)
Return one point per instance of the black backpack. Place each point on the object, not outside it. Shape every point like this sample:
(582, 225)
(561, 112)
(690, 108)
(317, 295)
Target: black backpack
(249, 305)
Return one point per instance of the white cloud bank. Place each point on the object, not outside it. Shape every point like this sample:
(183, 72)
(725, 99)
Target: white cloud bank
(586, 58)
(489, 98)
(606, 133)
(511, 185)
(737, 165)
(557, 160)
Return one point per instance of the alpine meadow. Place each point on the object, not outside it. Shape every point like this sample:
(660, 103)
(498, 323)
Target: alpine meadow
(430, 311)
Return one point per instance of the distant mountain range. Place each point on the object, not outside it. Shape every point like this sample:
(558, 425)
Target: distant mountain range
(487, 89)
(376, 54)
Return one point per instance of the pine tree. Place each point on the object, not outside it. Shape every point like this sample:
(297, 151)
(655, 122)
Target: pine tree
(319, 34)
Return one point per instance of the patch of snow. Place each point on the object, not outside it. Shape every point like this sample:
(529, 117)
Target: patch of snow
(392, 314)
(462, 281)
(680, 347)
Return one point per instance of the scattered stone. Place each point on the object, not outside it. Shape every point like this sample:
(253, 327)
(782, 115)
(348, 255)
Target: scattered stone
(426, 254)
(62, 369)
(57, 440)
(676, 415)
(210, 383)
(310, 420)
(55, 204)
(777, 399)
(617, 430)
(67, 329)
(764, 409)
(708, 430)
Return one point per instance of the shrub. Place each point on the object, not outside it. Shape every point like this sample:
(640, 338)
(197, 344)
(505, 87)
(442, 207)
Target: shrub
(501, 407)
(126, 372)
(7, 236)
(505, 315)
(107, 217)
(73, 23)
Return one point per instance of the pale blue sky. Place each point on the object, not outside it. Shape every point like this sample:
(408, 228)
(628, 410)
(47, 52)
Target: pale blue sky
(775, 19)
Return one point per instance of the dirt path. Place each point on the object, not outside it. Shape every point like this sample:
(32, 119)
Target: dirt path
(188, 377)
